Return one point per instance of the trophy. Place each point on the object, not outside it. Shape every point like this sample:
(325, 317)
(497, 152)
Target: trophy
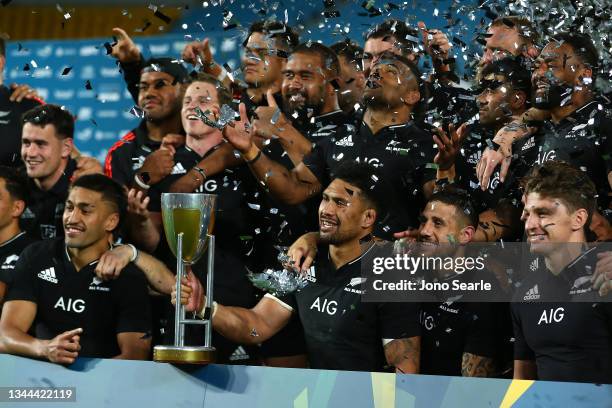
(188, 223)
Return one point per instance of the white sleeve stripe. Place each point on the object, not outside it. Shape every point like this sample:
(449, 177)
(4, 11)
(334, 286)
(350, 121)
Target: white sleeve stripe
(280, 302)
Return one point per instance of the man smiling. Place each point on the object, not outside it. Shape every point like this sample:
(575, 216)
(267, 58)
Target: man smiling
(57, 296)
(561, 333)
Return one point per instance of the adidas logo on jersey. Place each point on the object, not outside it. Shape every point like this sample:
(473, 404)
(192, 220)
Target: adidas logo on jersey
(474, 158)
(346, 142)
(534, 265)
(48, 275)
(532, 294)
(239, 354)
(137, 162)
(178, 169)
(529, 144)
(310, 274)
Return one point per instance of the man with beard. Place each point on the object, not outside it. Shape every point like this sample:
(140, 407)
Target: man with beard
(308, 111)
(237, 220)
(446, 102)
(504, 94)
(58, 298)
(387, 138)
(562, 329)
(136, 159)
(460, 336)
(580, 124)
(342, 332)
(352, 77)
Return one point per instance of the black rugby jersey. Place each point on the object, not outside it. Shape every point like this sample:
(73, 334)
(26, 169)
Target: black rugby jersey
(580, 140)
(67, 299)
(341, 331)
(569, 340)
(126, 156)
(9, 255)
(42, 217)
(402, 154)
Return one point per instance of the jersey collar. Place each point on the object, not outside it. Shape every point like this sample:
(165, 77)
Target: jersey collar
(12, 239)
(570, 271)
(354, 260)
(385, 133)
(69, 259)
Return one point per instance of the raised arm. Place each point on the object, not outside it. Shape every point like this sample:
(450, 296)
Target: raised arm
(289, 186)
(130, 60)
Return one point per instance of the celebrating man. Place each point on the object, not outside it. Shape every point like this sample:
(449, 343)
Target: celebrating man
(342, 333)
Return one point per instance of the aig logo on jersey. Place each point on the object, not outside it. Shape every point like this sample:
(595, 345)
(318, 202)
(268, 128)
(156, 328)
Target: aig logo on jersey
(70, 305)
(325, 306)
(550, 316)
(543, 157)
(209, 186)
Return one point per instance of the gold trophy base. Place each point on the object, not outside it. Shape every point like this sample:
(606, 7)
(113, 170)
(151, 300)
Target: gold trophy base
(184, 355)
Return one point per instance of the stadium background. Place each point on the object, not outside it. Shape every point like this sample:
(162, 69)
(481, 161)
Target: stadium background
(59, 49)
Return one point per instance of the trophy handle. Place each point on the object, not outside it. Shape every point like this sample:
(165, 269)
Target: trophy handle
(209, 289)
(179, 310)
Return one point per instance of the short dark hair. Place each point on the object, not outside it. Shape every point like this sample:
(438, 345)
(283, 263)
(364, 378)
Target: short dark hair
(111, 191)
(2, 46)
(583, 47)
(406, 37)
(365, 177)
(349, 50)
(284, 34)
(558, 179)
(16, 183)
(50, 114)
(224, 96)
(513, 71)
(329, 58)
(522, 24)
(460, 199)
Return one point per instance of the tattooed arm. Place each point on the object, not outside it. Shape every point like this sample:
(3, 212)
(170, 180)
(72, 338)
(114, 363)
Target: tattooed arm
(404, 354)
(477, 366)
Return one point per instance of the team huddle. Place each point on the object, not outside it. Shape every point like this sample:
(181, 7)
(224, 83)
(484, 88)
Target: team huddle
(327, 150)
